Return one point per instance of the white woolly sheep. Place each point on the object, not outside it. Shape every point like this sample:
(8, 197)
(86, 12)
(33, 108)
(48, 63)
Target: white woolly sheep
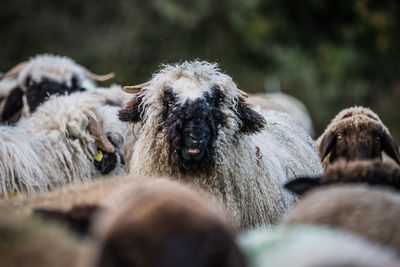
(305, 246)
(370, 212)
(40, 77)
(356, 133)
(285, 103)
(194, 124)
(69, 138)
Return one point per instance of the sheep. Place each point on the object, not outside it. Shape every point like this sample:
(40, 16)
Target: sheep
(356, 133)
(69, 138)
(164, 223)
(170, 207)
(370, 212)
(40, 77)
(32, 243)
(65, 199)
(304, 246)
(360, 171)
(194, 124)
(69, 202)
(285, 103)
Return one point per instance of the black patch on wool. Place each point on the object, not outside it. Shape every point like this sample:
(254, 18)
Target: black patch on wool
(78, 218)
(107, 163)
(133, 110)
(201, 111)
(38, 93)
(13, 105)
(252, 121)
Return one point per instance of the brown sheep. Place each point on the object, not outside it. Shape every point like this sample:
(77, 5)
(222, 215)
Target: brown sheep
(33, 243)
(356, 133)
(341, 171)
(164, 223)
(73, 204)
(370, 212)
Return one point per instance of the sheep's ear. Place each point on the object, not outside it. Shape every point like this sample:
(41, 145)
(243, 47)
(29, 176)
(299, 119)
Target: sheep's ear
(326, 144)
(251, 121)
(12, 106)
(133, 110)
(77, 218)
(390, 146)
(301, 185)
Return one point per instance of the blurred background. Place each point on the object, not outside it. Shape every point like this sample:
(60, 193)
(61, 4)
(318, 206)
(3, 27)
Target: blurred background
(330, 54)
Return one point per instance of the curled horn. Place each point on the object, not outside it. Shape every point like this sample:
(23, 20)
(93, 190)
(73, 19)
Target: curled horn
(243, 93)
(133, 89)
(99, 78)
(101, 140)
(14, 71)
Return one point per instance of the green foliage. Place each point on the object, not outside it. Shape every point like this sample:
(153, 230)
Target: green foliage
(330, 54)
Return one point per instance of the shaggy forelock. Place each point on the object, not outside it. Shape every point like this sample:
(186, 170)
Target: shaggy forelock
(359, 123)
(355, 111)
(197, 73)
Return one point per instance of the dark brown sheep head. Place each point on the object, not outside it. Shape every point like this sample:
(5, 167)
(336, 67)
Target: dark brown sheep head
(356, 138)
(372, 172)
(166, 225)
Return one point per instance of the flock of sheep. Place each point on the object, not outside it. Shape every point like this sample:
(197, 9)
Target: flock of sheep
(187, 170)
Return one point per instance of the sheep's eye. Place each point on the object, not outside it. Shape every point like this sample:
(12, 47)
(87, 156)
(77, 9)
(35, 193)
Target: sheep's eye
(170, 103)
(339, 136)
(378, 138)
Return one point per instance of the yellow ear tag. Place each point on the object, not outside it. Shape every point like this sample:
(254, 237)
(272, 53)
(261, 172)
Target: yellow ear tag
(99, 155)
(10, 195)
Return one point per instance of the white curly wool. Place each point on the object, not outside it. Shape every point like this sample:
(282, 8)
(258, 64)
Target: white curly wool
(250, 169)
(6, 85)
(285, 103)
(39, 154)
(57, 68)
(305, 246)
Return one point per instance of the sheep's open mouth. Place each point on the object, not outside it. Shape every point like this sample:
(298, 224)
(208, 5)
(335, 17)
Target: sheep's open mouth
(193, 150)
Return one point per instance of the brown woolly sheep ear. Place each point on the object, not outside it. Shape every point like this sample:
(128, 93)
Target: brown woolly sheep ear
(251, 121)
(77, 218)
(12, 106)
(301, 185)
(326, 144)
(390, 146)
(132, 111)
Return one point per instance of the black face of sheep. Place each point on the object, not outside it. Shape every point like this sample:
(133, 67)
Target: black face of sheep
(364, 140)
(196, 136)
(37, 93)
(192, 128)
(12, 107)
